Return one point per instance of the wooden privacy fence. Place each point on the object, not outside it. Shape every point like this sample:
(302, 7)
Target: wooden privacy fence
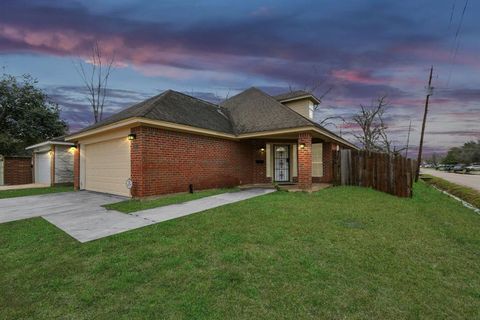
(380, 171)
(16, 170)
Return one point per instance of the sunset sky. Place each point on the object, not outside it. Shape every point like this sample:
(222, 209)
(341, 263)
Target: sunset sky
(362, 49)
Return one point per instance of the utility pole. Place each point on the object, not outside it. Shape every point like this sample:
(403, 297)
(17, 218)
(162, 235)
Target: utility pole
(429, 93)
(408, 138)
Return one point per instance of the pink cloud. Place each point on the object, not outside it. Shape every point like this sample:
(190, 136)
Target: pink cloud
(358, 77)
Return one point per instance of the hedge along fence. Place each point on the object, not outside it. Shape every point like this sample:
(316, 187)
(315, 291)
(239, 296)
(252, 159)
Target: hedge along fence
(380, 171)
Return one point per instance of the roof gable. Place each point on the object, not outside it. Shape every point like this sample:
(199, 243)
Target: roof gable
(254, 111)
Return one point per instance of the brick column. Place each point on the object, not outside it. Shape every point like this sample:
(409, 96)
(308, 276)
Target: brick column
(137, 149)
(305, 161)
(76, 168)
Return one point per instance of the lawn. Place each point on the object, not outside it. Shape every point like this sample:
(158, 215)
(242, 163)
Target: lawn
(33, 191)
(343, 252)
(133, 205)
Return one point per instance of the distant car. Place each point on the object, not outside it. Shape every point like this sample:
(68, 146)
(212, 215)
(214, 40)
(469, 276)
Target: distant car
(446, 167)
(440, 167)
(460, 167)
(473, 167)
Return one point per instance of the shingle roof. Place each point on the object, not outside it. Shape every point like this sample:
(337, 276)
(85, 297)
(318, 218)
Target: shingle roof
(175, 107)
(296, 94)
(254, 111)
(247, 112)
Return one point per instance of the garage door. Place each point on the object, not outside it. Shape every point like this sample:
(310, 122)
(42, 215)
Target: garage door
(107, 166)
(42, 168)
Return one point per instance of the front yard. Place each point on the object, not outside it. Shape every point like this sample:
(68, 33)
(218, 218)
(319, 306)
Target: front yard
(342, 252)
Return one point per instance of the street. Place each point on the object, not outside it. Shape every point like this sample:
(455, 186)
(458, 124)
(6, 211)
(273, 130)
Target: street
(468, 180)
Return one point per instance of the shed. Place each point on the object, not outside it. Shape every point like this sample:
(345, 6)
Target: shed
(53, 162)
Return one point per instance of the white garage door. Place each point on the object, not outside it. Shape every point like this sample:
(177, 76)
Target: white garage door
(107, 166)
(42, 168)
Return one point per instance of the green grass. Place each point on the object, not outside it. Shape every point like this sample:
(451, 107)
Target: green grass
(341, 253)
(467, 194)
(133, 205)
(33, 191)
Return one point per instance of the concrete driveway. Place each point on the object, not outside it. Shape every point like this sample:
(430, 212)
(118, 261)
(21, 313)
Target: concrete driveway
(81, 215)
(468, 180)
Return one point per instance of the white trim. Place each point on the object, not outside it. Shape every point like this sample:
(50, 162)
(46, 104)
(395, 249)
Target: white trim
(306, 96)
(317, 160)
(294, 161)
(268, 160)
(136, 121)
(46, 143)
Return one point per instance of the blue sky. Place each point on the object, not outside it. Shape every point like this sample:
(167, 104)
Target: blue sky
(361, 49)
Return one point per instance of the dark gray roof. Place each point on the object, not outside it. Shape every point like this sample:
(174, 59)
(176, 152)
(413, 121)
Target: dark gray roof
(296, 94)
(249, 111)
(254, 111)
(175, 107)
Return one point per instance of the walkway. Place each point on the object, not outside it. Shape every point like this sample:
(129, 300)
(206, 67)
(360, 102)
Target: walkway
(81, 215)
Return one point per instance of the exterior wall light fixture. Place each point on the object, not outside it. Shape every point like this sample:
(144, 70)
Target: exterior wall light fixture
(302, 145)
(132, 136)
(72, 149)
(262, 150)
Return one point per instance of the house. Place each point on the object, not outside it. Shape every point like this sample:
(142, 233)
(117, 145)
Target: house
(53, 162)
(173, 142)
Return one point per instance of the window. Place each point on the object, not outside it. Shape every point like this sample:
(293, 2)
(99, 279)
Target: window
(310, 112)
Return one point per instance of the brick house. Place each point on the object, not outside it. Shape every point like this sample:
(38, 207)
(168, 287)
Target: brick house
(172, 142)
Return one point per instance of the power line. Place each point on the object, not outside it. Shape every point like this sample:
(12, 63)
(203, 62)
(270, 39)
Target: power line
(452, 13)
(456, 41)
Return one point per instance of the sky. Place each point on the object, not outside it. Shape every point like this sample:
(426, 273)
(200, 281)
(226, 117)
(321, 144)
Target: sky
(361, 49)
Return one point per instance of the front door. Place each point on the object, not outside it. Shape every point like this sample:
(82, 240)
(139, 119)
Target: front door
(282, 163)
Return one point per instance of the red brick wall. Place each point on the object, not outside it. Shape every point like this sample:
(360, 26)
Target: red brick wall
(17, 170)
(305, 161)
(260, 162)
(167, 162)
(76, 169)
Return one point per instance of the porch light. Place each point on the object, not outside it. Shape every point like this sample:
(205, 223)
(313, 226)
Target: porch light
(50, 153)
(302, 145)
(262, 149)
(72, 149)
(132, 136)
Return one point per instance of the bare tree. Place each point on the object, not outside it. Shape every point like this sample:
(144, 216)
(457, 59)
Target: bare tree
(96, 79)
(328, 121)
(373, 134)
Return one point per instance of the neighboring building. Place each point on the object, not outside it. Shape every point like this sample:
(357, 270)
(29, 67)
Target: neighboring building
(53, 162)
(173, 141)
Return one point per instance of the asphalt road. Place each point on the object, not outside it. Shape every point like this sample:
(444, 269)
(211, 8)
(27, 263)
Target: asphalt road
(468, 180)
